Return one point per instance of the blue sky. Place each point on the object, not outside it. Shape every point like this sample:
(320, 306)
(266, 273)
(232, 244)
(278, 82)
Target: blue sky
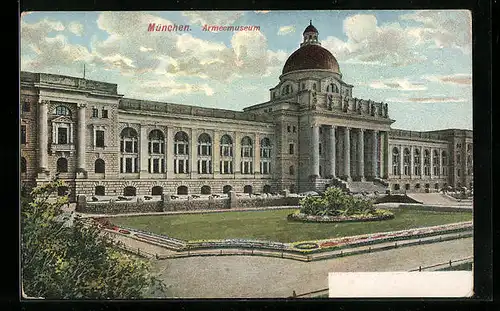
(419, 62)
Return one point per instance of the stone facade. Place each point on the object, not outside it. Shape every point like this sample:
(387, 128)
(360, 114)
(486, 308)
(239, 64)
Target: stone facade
(312, 133)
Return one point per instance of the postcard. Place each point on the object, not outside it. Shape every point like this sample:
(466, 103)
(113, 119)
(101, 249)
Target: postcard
(246, 154)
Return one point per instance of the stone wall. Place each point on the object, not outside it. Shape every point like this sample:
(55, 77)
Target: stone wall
(187, 205)
(262, 202)
(120, 207)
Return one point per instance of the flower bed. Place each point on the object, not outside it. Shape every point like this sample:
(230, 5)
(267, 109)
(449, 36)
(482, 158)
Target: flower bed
(242, 243)
(310, 218)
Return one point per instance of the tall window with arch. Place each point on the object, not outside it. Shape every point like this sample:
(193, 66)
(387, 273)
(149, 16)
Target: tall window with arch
(435, 162)
(156, 150)
(332, 88)
(406, 161)
(226, 154)
(62, 129)
(265, 156)
(444, 160)
(99, 166)
(427, 162)
(181, 153)
(129, 157)
(246, 155)
(23, 165)
(396, 169)
(416, 162)
(204, 154)
(62, 165)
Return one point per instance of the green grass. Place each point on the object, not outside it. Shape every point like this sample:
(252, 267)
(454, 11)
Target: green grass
(464, 266)
(273, 225)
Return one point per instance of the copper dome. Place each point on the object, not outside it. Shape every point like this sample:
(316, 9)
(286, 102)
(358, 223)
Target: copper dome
(310, 28)
(311, 56)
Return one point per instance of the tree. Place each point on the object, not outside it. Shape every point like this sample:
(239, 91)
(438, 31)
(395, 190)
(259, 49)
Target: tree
(60, 260)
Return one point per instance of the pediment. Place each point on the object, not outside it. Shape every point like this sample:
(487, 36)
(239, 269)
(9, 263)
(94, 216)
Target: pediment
(62, 119)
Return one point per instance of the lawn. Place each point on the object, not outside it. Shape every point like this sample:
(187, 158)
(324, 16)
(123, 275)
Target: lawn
(273, 225)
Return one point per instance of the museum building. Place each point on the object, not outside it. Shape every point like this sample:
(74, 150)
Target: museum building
(312, 133)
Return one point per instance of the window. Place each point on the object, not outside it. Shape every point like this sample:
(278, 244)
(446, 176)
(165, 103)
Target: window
(288, 129)
(291, 148)
(62, 135)
(266, 189)
(332, 88)
(226, 189)
(427, 162)
(204, 145)
(320, 148)
(291, 170)
(62, 165)
(205, 190)
(128, 147)
(396, 186)
(99, 166)
(265, 156)
(23, 165)
(204, 167)
(226, 153)
(435, 162)
(294, 129)
(62, 111)
(95, 113)
(182, 190)
(406, 161)
(129, 191)
(417, 186)
(407, 186)
(444, 160)
(247, 189)
(303, 86)
(100, 190)
(395, 162)
(62, 191)
(314, 86)
(23, 134)
(105, 113)
(246, 155)
(181, 166)
(157, 190)
(26, 106)
(416, 162)
(99, 138)
(458, 172)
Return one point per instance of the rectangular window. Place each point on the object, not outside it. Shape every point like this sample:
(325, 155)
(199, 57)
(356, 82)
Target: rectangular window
(294, 129)
(226, 167)
(26, 106)
(23, 134)
(121, 146)
(156, 165)
(121, 165)
(291, 149)
(288, 128)
(136, 166)
(320, 149)
(156, 147)
(128, 146)
(163, 165)
(95, 113)
(128, 165)
(62, 135)
(105, 113)
(99, 138)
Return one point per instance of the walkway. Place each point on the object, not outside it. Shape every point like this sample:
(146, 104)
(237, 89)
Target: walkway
(266, 277)
(438, 199)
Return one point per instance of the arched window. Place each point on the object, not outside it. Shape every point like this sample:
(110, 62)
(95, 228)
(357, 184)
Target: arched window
(62, 165)
(265, 156)
(62, 191)
(416, 162)
(99, 166)
(247, 189)
(332, 88)
(444, 160)
(314, 86)
(157, 190)
(406, 161)
(129, 191)
(204, 154)
(206, 190)
(427, 162)
(181, 153)
(246, 155)
(226, 188)
(396, 169)
(435, 162)
(128, 148)
(291, 170)
(99, 190)
(23, 165)
(182, 190)
(156, 149)
(62, 111)
(266, 189)
(226, 154)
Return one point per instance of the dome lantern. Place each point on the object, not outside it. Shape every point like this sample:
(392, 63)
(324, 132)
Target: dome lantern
(310, 35)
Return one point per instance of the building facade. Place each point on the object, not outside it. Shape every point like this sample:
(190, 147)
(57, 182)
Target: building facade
(311, 133)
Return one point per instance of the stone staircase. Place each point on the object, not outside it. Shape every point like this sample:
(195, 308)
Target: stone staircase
(366, 186)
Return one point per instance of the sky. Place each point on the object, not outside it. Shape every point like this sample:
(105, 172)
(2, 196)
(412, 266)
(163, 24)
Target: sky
(419, 62)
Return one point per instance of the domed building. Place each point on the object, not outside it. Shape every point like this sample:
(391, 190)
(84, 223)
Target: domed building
(311, 134)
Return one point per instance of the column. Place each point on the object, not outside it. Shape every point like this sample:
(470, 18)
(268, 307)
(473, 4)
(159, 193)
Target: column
(412, 162)
(237, 153)
(54, 132)
(332, 151)
(432, 162)
(422, 150)
(315, 150)
(256, 154)
(71, 133)
(440, 162)
(216, 152)
(143, 151)
(43, 135)
(81, 136)
(193, 153)
(169, 151)
(361, 154)
(385, 158)
(374, 153)
(347, 153)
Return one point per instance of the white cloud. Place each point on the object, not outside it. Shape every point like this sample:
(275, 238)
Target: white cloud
(428, 100)
(398, 84)
(215, 18)
(170, 87)
(262, 12)
(76, 28)
(456, 79)
(284, 30)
